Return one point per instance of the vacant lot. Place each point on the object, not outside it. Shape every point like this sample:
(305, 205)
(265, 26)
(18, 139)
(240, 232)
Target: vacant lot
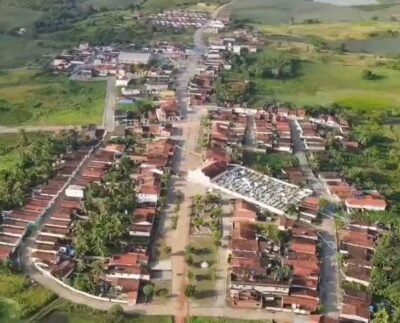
(13, 17)
(30, 98)
(9, 150)
(19, 298)
(334, 31)
(91, 316)
(330, 82)
(288, 11)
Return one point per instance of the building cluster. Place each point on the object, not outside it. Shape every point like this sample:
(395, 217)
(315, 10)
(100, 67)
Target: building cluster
(273, 132)
(353, 199)
(357, 243)
(226, 133)
(53, 249)
(16, 223)
(240, 42)
(179, 19)
(274, 274)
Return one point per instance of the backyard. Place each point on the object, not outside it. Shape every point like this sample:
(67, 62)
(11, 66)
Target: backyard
(31, 98)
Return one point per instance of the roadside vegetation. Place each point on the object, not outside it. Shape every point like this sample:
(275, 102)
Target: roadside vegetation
(19, 297)
(201, 319)
(75, 313)
(34, 98)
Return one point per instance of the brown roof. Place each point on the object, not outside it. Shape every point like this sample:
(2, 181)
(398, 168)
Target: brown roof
(303, 245)
(215, 168)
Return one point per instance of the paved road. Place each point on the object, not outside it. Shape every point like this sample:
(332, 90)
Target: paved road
(329, 270)
(109, 108)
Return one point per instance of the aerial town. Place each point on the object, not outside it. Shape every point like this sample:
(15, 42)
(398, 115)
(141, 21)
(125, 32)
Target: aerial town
(187, 202)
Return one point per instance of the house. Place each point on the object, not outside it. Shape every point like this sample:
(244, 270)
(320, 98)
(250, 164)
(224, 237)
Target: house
(244, 211)
(303, 246)
(365, 204)
(356, 274)
(129, 266)
(355, 305)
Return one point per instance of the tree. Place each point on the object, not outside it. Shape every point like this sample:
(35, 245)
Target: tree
(198, 223)
(381, 316)
(323, 203)
(115, 314)
(189, 290)
(282, 273)
(368, 75)
(148, 291)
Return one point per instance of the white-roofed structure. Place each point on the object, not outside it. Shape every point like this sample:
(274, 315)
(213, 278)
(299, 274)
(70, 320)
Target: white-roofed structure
(134, 58)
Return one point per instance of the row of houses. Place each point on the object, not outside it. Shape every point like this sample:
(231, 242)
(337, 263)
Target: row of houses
(274, 274)
(357, 243)
(179, 19)
(16, 223)
(272, 132)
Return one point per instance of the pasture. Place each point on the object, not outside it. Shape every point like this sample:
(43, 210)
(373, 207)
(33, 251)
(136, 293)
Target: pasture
(30, 98)
(324, 83)
(296, 11)
(334, 31)
(15, 17)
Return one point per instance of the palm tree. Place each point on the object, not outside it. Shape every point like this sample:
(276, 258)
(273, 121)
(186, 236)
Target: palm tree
(198, 222)
(189, 290)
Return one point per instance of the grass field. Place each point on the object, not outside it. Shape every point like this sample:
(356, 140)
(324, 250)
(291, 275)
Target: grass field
(8, 150)
(19, 299)
(87, 317)
(287, 11)
(326, 83)
(204, 250)
(333, 31)
(121, 4)
(201, 319)
(14, 17)
(32, 99)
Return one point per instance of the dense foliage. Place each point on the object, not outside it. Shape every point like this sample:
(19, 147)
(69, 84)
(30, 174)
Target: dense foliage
(272, 164)
(36, 165)
(109, 209)
(386, 271)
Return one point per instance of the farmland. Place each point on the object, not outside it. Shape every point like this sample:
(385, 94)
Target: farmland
(327, 78)
(334, 31)
(296, 11)
(30, 98)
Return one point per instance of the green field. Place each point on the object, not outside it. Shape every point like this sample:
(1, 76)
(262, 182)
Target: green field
(334, 31)
(287, 11)
(326, 83)
(29, 98)
(19, 299)
(205, 319)
(8, 150)
(59, 316)
(13, 17)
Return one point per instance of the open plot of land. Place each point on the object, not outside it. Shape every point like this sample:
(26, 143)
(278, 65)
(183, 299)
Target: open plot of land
(334, 31)
(32, 99)
(287, 11)
(202, 319)
(326, 83)
(87, 317)
(204, 278)
(19, 299)
(8, 150)
(13, 17)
